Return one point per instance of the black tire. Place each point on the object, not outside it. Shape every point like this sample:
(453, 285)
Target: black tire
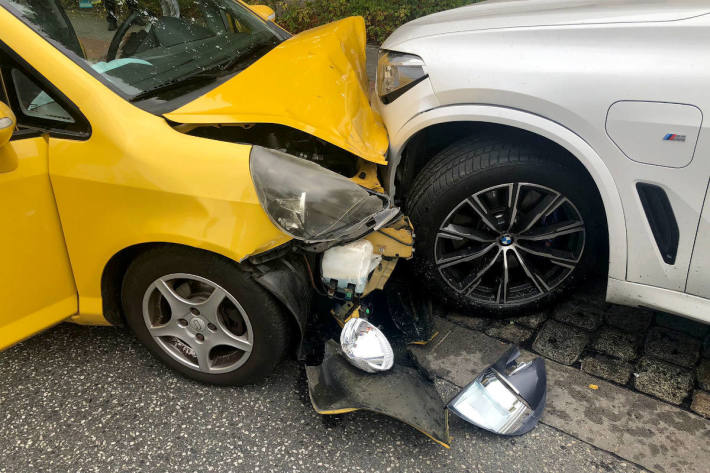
(269, 326)
(474, 166)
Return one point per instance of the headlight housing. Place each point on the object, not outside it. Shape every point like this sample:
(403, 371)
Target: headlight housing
(311, 203)
(397, 73)
(366, 347)
(507, 398)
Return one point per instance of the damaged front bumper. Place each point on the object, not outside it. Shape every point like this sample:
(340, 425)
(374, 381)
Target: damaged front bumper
(507, 398)
(336, 279)
(336, 387)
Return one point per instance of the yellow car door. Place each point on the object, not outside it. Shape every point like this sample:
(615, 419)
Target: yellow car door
(36, 283)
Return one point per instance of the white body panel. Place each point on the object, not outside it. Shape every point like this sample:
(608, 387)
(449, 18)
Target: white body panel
(636, 126)
(699, 274)
(493, 62)
(674, 302)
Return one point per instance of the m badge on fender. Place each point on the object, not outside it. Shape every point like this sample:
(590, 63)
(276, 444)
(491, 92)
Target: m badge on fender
(673, 137)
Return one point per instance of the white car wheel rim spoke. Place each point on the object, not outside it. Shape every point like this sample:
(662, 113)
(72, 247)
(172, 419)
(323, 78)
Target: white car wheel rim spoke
(510, 244)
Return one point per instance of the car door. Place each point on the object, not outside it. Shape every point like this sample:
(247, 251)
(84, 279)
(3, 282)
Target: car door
(37, 287)
(699, 274)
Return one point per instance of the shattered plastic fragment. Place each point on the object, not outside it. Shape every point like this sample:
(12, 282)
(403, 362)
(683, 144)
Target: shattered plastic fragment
(337, 387)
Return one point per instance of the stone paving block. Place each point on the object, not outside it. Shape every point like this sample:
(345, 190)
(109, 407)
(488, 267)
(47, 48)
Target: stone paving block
(681, 324)
(652, 433)
(532, 321)
(560, 342)
(474, 323)
(704, 375)
(607, 368)
(613, 342)
(581, 312)
(701, 403)
(629, 319)
(663, 380)
(672, 346)
(510, 332)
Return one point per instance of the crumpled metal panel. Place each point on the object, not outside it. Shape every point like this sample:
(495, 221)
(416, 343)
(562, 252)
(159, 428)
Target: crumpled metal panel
(337, 387)
(315, 82)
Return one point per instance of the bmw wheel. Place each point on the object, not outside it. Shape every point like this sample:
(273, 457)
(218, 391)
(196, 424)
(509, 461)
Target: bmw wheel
(504, 226)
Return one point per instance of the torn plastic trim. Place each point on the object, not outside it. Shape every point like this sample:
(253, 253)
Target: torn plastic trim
(286, 279)
(337, 387)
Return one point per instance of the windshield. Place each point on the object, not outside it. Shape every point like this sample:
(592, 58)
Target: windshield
(153, 48)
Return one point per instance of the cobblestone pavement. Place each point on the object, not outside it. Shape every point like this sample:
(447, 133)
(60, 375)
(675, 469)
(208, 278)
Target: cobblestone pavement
(662, 355)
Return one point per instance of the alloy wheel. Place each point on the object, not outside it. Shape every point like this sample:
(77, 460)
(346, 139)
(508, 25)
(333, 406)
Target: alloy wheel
(510, 244)
(198, 323)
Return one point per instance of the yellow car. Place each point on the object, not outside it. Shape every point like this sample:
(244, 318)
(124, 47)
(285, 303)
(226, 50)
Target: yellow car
(189, 169)
(180, 167)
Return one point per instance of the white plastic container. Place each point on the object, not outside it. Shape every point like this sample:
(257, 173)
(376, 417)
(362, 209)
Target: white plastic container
(350, 264)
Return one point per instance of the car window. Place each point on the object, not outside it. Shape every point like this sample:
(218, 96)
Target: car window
(50, 18)
(38, 105)
(35, 102)
(152, 48)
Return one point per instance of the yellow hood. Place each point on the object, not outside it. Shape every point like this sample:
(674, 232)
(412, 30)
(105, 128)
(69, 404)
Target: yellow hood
(315, 82)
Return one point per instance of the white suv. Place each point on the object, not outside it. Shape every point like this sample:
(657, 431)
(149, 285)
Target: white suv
(535, 141)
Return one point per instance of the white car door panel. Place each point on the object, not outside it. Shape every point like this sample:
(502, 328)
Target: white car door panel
(699, 274)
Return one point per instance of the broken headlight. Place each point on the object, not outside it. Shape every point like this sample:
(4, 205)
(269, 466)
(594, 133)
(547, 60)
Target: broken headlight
(366, 347)
(311, 203)
(507, 398)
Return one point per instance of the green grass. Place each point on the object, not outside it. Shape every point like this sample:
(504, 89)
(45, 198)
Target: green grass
(381, 16)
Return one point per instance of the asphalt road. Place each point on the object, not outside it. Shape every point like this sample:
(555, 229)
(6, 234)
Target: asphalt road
(82, 399)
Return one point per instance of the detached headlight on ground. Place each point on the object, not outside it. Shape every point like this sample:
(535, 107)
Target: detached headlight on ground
(507, 398)
(397, 73)
(366, 347)
(312, 203)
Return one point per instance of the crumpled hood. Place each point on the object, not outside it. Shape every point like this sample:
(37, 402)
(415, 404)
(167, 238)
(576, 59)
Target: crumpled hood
(315, 82)
(496, 14)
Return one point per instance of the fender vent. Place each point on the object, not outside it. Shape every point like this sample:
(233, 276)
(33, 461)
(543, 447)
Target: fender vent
(661, 219)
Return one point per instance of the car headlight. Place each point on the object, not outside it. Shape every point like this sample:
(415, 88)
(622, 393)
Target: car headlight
(397, 73)
(311, 203)
(507, 398)
(366, 347)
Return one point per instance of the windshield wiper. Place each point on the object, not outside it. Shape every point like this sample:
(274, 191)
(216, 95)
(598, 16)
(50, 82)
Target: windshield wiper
(245, 58)
(238, 62)
(178, 82)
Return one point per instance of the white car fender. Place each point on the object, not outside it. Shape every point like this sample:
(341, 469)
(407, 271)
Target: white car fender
(543, 127)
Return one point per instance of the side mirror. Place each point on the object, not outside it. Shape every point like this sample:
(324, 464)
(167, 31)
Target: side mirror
(266, 12)
(7, 124)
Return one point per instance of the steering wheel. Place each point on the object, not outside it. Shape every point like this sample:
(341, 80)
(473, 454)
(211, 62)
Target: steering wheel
(120, 33)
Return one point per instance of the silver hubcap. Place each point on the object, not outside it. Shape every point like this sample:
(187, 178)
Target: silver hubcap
(198, 323)
(510, 244)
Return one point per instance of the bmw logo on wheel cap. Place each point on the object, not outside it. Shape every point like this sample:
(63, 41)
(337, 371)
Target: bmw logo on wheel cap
(506, 240)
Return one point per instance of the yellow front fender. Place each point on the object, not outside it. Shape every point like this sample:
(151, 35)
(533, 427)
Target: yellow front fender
(159, 186)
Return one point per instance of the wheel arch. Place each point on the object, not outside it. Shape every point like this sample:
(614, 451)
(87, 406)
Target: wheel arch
(283, 280)
(459, 120)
